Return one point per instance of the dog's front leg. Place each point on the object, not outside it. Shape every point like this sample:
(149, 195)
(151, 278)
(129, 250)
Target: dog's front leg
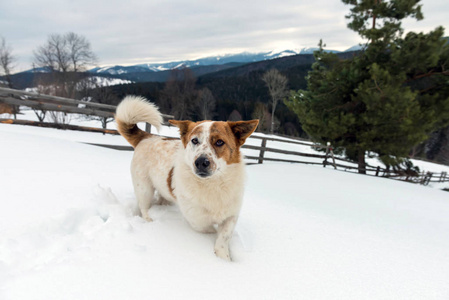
(224, 231)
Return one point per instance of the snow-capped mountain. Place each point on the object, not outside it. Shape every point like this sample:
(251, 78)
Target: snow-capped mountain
(310, 50)
(357, 47)
(118, 70)
(244, 57)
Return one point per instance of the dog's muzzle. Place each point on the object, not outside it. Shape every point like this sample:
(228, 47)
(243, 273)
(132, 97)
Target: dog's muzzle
(202, 165)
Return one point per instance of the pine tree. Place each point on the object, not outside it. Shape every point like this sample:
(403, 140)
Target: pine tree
(387, 98)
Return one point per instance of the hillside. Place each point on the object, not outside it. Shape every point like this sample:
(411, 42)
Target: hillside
(67, 230)
(162, 76)
(27, 79)
(238, 58)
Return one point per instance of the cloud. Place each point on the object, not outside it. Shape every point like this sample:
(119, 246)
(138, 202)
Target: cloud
(135, 31)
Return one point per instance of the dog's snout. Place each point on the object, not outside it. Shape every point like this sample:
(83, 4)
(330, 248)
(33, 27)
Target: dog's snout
(202, 163)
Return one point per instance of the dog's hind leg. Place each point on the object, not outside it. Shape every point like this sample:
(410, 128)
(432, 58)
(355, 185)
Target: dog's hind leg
(144, 190)
(225, 231)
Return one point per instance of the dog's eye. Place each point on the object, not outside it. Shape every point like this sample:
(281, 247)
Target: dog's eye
(219, 143)
(195, 141)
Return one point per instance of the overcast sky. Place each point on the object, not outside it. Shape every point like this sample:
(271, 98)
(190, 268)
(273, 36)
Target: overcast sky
(139, 31)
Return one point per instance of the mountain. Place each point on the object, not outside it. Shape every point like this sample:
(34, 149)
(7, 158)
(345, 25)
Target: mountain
(245, 57)
(357, 47)
(162, 76)
(118, 70)
(310, 50)
(160, 72)
(281, 64)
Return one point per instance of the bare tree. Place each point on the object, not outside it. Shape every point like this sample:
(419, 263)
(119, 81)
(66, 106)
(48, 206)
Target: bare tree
(277, 86)
(6, 61)
(206, 104)
(65, 53)
(80, 53)
(235, 116)
(65, 56)
(179, 94)
(261, 113)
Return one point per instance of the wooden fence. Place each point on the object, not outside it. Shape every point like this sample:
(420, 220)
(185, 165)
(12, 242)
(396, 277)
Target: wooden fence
(329, 159)
(59, 104)
(52, 103)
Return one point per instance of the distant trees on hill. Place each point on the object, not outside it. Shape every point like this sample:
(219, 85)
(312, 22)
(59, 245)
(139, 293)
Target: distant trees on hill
(180, 96)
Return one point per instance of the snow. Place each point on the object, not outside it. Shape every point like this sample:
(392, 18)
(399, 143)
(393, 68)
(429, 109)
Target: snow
(106, 81)
(68, 230)
(91, 82)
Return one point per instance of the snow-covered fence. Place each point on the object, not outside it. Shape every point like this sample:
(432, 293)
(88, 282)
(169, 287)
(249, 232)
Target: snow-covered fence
(338, 163)
(58, 104)
(54, 103)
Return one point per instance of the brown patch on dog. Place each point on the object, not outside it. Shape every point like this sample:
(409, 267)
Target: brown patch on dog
(131, 132)
(169, 138)
(229, 151)
(169, 182)
(233, 134)
(186, 129)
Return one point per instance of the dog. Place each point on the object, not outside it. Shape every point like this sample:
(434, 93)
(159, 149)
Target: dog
(203, 172)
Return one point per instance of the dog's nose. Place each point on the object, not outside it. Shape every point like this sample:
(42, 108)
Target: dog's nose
(202, 163)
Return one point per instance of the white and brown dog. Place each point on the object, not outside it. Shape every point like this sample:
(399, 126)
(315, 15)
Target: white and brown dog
(203, 173)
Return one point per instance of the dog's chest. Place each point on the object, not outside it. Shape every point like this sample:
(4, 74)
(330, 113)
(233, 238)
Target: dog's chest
(212, 199)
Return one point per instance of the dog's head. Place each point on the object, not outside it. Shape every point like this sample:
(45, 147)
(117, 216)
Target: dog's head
(211, 146)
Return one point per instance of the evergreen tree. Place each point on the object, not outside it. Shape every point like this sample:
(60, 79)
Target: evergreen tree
(387, 98)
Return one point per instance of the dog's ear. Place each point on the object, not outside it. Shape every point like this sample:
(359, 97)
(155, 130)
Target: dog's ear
(182, 125)
(183, 128)
(243, 129)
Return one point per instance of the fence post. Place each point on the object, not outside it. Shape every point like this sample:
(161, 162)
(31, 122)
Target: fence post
(327, 153)
(386, 172)
(377, 171)
(443, 176)
(262, 150)
(427, 178)
(148, 127)
(332, 155)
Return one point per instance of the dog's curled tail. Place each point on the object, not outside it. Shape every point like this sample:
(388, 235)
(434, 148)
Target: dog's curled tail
(132, 110)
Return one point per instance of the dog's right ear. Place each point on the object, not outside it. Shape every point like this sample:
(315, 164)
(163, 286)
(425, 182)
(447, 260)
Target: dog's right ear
(183, 128)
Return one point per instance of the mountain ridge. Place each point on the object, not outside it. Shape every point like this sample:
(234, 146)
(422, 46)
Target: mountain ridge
(243, 57)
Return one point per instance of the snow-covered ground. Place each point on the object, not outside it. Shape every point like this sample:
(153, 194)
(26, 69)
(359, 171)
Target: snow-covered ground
(68, 231)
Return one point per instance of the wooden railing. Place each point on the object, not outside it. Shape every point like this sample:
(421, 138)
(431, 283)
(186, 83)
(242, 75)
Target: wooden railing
(54, 103)
(328, 159)
(44, 102)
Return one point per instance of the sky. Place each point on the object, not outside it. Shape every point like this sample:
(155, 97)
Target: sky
(135, 31)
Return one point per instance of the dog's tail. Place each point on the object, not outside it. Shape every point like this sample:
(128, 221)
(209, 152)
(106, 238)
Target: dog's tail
(132, 110)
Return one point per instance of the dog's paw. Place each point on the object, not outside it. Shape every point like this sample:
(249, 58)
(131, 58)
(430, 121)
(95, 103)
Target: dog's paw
(223, 253)
(147, 217)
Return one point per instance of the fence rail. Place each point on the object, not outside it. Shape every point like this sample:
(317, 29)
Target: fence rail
(53, 103)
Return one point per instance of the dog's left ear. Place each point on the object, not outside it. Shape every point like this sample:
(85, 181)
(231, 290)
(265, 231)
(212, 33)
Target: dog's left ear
(243, 129)
(183, 128)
